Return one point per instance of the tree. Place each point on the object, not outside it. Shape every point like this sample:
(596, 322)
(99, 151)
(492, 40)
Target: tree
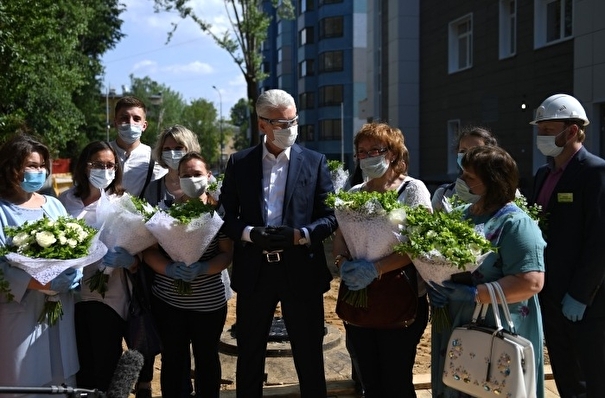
(240, 117)
(249, 25)
(49, 59)
(201, 117)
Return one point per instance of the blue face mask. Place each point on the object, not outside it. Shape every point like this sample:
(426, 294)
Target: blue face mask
(33, 180)
(459, 159)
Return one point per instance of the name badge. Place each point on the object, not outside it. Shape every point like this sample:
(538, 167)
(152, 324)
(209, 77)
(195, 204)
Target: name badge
(565, 197)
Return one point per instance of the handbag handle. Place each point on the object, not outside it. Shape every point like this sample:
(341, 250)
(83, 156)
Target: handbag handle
(481, 309)
(504, 304)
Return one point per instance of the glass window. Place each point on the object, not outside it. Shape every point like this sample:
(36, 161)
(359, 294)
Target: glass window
(306, 100)
(306, 132)
(460, 44)
(553, 21)
(508, 28)
(306, 36)
(331, 27)
(329, 129)
(306, 68)
(331, 95)
(331, 61)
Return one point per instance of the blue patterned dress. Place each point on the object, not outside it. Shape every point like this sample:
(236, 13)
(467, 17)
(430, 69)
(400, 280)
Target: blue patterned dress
(520, 249)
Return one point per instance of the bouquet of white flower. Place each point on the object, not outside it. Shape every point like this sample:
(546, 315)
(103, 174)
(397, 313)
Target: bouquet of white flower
(338, 174)
(124, 225)
(185, 231)
(44, 248)
(214, 188)
(370, 224)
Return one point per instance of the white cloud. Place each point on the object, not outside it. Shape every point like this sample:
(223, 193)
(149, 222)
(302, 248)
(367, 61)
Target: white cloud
(196, 67)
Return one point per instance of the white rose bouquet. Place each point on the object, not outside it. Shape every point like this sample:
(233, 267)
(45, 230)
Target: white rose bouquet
(124, 225)
(441, 244)
(370, 223)
(338, 174)
(185, 231)
(44, 248)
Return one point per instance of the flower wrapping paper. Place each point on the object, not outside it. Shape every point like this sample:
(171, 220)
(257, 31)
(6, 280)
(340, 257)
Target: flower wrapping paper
(123, 225)
(45, 270)
(369, 236)
(435, 268)
(339, 178)
(184, 242)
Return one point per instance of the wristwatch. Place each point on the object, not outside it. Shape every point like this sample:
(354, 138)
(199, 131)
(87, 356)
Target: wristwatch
(303, 241)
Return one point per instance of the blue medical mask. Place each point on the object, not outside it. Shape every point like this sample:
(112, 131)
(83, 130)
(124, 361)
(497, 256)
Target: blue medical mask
(374, 167)
(33, 180)
(172, 158)
(129, 133)
(464, 192)
(101, 178)
(459, 159)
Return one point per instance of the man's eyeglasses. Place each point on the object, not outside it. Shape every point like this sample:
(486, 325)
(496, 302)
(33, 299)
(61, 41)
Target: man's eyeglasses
(372, 153)
(282, 123)
(101, 165)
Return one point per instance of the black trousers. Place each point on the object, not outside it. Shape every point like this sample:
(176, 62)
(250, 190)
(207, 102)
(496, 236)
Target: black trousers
(576, 351)
(385, 357)
(303, 315)
(99, 331)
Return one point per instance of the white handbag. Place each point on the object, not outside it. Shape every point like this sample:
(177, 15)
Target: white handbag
(488, 361)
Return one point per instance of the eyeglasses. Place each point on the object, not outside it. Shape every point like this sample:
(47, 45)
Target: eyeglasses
(282, 123)
(372, 153)
(101, 165)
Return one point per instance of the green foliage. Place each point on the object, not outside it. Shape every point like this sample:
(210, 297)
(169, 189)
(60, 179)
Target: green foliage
(49, 62)
(5, 288)
(333, 165)
(201, 117)
(240, 117)
(143, 207)
(187, 211)
(447, 233)
(364, 201)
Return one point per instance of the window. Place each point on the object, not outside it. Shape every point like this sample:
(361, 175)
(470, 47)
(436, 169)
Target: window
(306, 68)
(554, 21)
(329, 130)
(280, 55)
(330, 95)
(322, 2)
(306, 100)
(460, 44)
(306, 5)
(452, 131)
(306, 132)
(508, 28)
(305, 36)
(331, 27)
(330, 61)
(266, 67)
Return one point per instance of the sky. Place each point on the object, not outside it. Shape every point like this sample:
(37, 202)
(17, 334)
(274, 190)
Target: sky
(190, 64)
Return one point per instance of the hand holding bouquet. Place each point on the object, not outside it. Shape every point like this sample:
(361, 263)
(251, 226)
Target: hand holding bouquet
(46, 248)
(185, 231)
(370, 225)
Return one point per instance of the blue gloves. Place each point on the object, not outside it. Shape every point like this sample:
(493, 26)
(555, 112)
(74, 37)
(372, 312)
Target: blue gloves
(357, 274)
(66, 280)
(187, 273)
(450, 291)
(119, 258)
(572, 308)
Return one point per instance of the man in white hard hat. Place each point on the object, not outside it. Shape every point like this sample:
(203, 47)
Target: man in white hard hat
(571, 190)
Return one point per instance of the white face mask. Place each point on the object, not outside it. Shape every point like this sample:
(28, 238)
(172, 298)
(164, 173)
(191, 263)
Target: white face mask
(101, 178)
(546, 144)
(464, 192)
(129, 133)
(285, 138)
(374, 167)
(194, 186)
(172, 158)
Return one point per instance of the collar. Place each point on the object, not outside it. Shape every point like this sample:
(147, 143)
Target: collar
(551, 162)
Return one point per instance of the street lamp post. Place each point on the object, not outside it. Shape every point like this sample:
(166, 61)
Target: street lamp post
(157, 100)
(220, 98)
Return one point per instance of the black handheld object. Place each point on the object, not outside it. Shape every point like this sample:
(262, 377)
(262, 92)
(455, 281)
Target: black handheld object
(126, 374)
(63, 390)
(463, 278)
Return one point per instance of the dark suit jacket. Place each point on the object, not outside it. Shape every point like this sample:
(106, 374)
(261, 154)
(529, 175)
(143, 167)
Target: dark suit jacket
(308, 184)
(575, 233)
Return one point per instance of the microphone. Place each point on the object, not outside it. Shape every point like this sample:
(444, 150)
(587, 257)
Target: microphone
(126, 374)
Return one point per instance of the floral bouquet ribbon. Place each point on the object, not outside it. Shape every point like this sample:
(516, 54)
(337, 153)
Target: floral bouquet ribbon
(185, 231)
(370, 224)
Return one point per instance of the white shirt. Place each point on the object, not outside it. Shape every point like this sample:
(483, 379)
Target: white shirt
(134, 167)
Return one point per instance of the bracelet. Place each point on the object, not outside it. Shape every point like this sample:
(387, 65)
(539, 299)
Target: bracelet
(338, 258)
(477, 301)
(378, 269)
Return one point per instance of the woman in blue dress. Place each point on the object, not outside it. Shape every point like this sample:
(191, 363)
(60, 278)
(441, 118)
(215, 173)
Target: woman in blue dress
(492, 176)
(32, 354)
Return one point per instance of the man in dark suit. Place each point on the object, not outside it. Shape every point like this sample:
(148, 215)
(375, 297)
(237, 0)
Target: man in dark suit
(274, 200)
(571, 191)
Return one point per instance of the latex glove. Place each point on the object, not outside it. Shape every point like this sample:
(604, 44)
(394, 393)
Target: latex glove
(456, 292)
(437, 298)
(572, 308)
(266, 238)
(66, 280)
(118, 258)
(186, 273)
(358, 274)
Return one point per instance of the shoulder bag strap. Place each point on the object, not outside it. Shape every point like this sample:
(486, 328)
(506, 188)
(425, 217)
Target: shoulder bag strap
(149, 174)
(402, 188)
(504, 305)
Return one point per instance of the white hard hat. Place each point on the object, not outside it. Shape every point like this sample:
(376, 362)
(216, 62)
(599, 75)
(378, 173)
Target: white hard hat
(560, 107)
